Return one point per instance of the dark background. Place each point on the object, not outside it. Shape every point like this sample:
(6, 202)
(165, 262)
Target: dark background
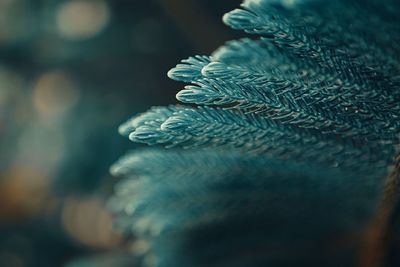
(70, 73)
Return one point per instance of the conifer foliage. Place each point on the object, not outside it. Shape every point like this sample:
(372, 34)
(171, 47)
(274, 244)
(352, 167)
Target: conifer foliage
(281, 156)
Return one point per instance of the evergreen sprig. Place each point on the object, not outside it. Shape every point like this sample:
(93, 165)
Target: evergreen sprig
(286, 153)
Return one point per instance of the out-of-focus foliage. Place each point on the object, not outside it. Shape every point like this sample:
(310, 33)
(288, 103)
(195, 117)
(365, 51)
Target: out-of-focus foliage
(284, 160)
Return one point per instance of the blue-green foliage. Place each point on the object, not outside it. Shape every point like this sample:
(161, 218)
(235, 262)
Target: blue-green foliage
(286, 153)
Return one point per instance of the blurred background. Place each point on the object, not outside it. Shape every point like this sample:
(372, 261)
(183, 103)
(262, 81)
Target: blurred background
(70, 72)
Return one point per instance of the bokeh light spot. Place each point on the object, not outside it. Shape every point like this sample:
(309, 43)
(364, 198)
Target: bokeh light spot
(88, 221)
(24, 190)
(54, 93)
(82, 19)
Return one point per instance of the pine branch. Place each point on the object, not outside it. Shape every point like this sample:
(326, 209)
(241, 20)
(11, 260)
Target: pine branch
(301, 121)
(206, 127)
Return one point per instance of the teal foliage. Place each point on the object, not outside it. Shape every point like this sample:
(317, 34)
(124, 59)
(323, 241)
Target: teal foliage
(284, 148)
